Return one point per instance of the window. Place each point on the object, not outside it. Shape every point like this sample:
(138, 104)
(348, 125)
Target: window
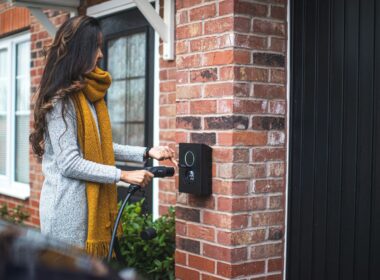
(14, 115)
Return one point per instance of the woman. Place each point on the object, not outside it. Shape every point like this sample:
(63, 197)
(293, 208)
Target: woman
(72, 134)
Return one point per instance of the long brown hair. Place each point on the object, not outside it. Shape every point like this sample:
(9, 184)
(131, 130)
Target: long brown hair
(68, 58)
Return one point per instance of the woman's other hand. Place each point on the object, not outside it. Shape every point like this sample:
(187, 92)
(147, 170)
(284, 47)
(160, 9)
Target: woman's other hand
(136, 177)
(162, 153)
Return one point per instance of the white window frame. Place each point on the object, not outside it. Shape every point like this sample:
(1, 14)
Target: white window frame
(8, 185)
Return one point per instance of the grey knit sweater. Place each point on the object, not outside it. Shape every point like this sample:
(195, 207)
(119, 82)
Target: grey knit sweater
(63, 202)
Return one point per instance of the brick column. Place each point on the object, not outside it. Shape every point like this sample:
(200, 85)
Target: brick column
(231, 95)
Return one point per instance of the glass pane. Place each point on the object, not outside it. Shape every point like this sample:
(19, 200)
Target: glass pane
(136, 55)
(116, 100)
(3, 144)
(3, 79)
(22, 94)
(22, 79)
(135, 134)
(136, 100)
(22, 149)
(3, 62)
(118, 133)
(117, 62)
(23, 59)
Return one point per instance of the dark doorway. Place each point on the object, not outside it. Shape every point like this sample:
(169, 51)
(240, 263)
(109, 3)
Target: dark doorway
(334, 184)
(129, 57)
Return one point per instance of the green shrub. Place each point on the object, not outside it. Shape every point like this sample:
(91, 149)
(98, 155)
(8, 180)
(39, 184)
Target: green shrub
(154, 259)
(17, 215)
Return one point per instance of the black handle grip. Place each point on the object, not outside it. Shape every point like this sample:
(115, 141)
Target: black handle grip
(161, 171)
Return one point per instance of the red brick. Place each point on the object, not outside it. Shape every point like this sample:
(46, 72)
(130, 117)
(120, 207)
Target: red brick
(269, 186)
(278, 76)
(250, 106)
(275, 265)
(224, 220)
(180, 258)
(188, 92)
(251, 9)
(224, 106)
(203, 12)
(193, 60)
(278, 12)
(207, 202)
(203, 107)
(201, 264)
(218, 58)
(224, 254)
(181, 4)
(183, 273)
(210, 277)
(226, 7)
(230, 187)
(276, 169)
(276, 202)
(242, 24)
(182, 47)
(182, 108)
(219, 25)
(269, 91)
(244, 269)
(268, 218)
(204, 75)
(241, 204)
(266, 251)
(246, 138)
(241, 237)
(268, 27)
(188, 31)
(201, 232)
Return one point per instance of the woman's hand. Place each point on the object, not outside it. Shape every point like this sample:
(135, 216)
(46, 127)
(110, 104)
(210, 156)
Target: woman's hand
(162, 153)
(136, 177)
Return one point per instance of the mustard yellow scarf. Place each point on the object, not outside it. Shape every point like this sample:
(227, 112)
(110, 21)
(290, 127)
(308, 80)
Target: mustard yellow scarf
(101, 198)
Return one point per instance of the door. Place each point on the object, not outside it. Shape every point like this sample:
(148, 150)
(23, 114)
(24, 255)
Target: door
(334, 183)
(128, 56)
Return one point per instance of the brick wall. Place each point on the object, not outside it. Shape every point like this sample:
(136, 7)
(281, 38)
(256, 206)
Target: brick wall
(226, 88)
(231, 94)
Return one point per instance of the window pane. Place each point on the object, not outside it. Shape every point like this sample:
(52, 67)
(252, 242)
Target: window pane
(116, 101)
(23, 60)
(3, 146)
(135, 134)
(3, 80)
(136, 55)
(22, 78)
(3, 109)
(136, 100)
(22, 149)
(118, 133)
(117, 61)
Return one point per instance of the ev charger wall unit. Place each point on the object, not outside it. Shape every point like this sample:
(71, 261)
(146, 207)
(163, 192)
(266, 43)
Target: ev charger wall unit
(195, 172)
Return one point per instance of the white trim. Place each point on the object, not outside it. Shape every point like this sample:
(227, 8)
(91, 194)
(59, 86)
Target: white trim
(8, 185)
(17, 190)
(288, 138)
(114, 6)
(110, 7)
(156, 117)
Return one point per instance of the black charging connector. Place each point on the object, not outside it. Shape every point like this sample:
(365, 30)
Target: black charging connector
(158, 172)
